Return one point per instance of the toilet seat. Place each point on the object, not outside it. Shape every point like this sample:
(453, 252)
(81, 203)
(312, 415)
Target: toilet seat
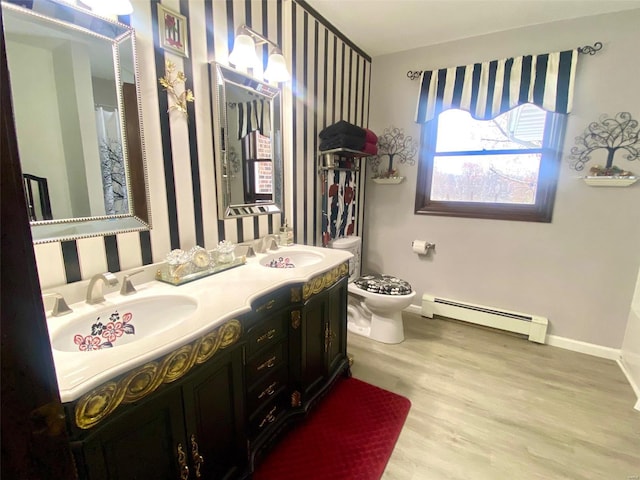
(383, 284)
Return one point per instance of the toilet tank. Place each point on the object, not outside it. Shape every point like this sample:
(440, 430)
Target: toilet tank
(352, 244)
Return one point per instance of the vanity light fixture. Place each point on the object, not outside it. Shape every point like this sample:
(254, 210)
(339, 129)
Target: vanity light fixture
(244, 54)
(109, 7)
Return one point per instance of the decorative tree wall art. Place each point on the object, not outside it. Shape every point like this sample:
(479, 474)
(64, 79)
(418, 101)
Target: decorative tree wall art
(170, 81)
(400, 148)
(611, 135)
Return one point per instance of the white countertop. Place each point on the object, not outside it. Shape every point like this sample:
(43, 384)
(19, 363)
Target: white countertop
(220, 297)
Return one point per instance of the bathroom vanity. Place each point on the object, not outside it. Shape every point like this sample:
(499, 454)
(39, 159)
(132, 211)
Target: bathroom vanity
(225, 388)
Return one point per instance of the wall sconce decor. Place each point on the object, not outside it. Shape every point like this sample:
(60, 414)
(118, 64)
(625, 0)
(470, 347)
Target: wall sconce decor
(172, 28)
(610, 134)
(172, 79)
(244, 55)
(394, 144)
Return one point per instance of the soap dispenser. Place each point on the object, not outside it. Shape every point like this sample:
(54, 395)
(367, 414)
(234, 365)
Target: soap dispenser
(286, 234)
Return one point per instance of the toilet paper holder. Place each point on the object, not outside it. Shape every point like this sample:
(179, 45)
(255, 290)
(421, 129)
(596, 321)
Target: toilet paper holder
(421, 247)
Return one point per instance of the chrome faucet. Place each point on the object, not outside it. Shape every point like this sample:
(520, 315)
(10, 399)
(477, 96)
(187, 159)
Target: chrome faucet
(60, 306)
(97, 296)
(127, 286)
(268, 242)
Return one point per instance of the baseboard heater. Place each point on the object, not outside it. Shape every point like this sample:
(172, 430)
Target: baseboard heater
(533, 326)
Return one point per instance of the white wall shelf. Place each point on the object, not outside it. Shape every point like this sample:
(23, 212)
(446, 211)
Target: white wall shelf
(610, 181)
(388, 181)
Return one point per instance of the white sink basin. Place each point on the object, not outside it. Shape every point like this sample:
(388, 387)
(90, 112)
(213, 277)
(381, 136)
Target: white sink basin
(292, 259)
(122, 323)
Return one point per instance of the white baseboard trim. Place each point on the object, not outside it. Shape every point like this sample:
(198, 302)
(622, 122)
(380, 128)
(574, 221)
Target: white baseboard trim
(576, 346)
(556, 341)
(634, 385)
(584, 347)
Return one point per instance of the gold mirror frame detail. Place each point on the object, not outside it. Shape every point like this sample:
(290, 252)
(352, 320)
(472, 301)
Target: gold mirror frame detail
(96, 405)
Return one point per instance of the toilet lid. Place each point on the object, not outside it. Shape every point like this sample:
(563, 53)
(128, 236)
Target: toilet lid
(383, 284)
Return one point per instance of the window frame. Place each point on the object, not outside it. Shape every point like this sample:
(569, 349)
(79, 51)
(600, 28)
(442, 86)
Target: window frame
(540, 211)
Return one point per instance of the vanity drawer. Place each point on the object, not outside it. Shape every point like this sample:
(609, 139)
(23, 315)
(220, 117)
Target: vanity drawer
(267, 416)
(266, 333)
(266, 389)
(271, 302)
(266, 362)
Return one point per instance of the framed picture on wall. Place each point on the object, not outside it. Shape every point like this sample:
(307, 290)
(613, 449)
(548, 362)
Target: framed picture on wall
(172, 28)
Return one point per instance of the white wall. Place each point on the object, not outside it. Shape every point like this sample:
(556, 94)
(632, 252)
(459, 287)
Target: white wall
(35, 109)
(630, 355)
(580, 269)
(72, 66)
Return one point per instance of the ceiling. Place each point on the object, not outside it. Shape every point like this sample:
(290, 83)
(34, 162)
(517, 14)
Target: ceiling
(380, 27)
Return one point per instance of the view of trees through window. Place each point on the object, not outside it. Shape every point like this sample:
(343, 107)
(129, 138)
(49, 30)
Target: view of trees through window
(488, 161)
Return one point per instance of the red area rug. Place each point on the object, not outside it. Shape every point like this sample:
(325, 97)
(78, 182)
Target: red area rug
(349, 436)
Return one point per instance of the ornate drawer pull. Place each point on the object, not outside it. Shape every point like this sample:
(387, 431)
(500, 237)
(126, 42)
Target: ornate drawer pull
(268, 364)
(182, 463)
(269, 390)
(267, 306)
(267, 336)
(198, 460)
(329, 337)
(270, 418)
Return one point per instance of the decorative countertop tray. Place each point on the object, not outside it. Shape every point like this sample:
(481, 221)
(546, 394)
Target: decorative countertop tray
(163, 274)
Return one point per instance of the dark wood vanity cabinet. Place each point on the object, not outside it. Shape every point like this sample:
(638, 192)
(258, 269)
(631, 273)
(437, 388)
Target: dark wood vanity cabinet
(267, 366)
(191, 430)
(216, 406)
(318, 341)
(294, 353)
(140, 443)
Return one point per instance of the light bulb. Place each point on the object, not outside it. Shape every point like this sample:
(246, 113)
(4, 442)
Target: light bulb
(244, 51)
(276, 70)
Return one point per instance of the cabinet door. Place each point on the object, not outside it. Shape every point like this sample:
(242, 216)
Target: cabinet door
(312, 354)
(320, 343)
(141, 444)
(213, 404)
(336, 326)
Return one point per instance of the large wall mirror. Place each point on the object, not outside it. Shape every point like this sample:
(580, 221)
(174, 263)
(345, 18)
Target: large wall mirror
(76, 107)
(249, 144)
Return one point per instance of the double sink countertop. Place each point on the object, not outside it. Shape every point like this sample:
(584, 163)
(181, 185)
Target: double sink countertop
(210, 300)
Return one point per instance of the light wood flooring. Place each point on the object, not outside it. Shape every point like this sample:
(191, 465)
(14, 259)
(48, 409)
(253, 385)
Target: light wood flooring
(489, 405)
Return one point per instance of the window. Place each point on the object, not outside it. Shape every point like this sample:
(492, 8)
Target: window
(504, 168)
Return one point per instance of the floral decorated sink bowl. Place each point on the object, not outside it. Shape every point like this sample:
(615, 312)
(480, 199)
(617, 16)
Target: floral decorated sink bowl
(122, 323)
(292, 259)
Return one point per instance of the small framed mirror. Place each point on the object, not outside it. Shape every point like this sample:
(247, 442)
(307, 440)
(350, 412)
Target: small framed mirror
(248, 136)
(74, 82)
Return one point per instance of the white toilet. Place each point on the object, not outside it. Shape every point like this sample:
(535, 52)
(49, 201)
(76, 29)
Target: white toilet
(375, 301)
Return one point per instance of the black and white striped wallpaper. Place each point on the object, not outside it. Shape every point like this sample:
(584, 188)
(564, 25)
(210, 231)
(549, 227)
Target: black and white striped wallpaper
(330, 82)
